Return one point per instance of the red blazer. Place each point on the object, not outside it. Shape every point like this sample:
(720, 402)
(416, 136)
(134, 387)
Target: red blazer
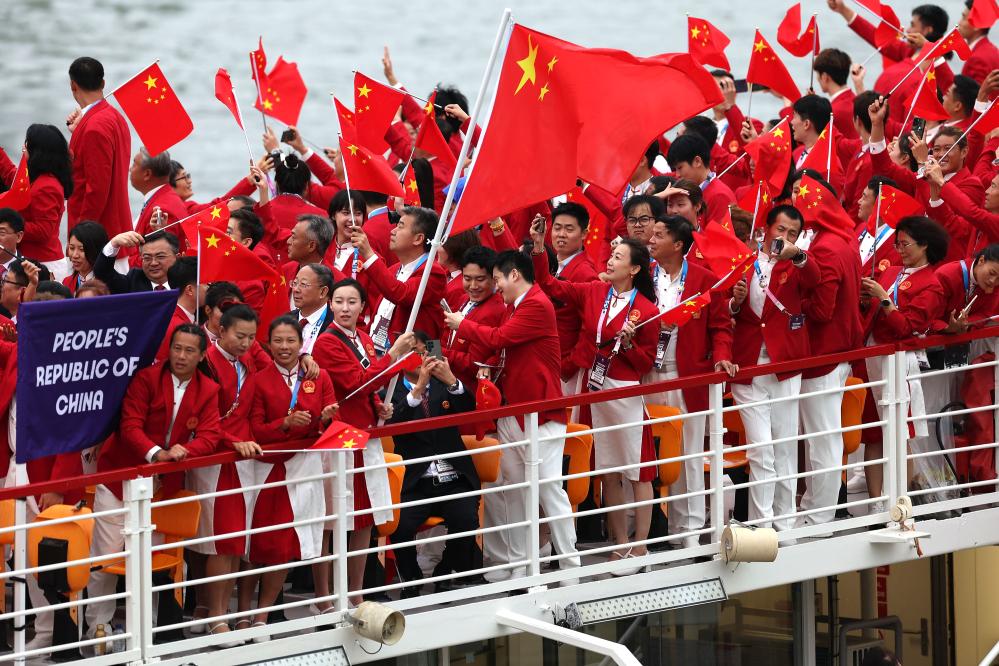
(901, 73)
(176, 319)
(242, 188)
(831, 309)
(983, 169)
(403, 294)
(101, 149)
(717, 198)
(579, 269)
(736, 177)
(170, 204)
(842, 108)
(145, 419)
(378, 229)
(43, 215)
(773, 327)
(335, 357)
(8, 383)
(858, 174)
(958, 203)
(462, 353)
(323, 172)
(920, 302)
(984, 58)
(454, 292)
(234, 408)
(955, 294)
(279, 216)
(272, 400)
(527, 334)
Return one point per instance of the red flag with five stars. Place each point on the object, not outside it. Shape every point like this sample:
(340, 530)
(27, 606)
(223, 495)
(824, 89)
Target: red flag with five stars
(684, 312)
(561, 102)
(735, 274)
(154, 110)
(823, 157)
(895, 204)
(748, 202)
(283, 93)
(340, 435)
(224, 94)
(411, 189)
(768, 70)
(952, 42)
(720, 248)
(771, 153)
(375, 105)
(983, 14)
(214, 218)
(821, 209)
(368, 172)
(258, 64)
(924, 103)
(596, 232)
(789, 33)
(706, 43)
(222, 258)
(18, 196)
(430, 139)
(345, 117)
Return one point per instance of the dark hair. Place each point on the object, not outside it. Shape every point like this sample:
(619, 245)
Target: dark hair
(965, 91)
(184, 272)
(703, 127)
(651, 153)
(238, 312)
(457, 245)
(926, 233)
(191, 329)
(13, 218)
(510, 260)
(686, 147)
(372, 198)
(679, 228)
(350, 282)
(789, 211)
(87, 74)
(988, 253)
(221, 295)
(655, 204)
(291, 175)
(876, 181)
(742, 222)
(449, 95)
(92, 237)
(935, 18)
(57, 289)
(244, 202)
(48, 153)
(955, 133)
(835, 63)
(320, 230)
(424, 221)
(343, 200)
(249, 225)
(94, 285)
(968, 4)
(661, 182)
(323, 274)
(16, 268)
(482, 256)
(694, 193)
(175, 169)
(639, 256)
(421, 336)
(861, 106)
(574, 210)
(159, 234)
(285, 320)
(816, 109)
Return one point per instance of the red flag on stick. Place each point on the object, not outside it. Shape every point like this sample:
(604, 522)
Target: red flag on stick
(213, 219)
(771, 153)
(819, 207)
(154, 110)
(222, 258)
(593, 243)
(283, 94)
(895, 204)
(767, 69)
(258, 60)
(706, 43)
(823, 157)
(375, 105)
(345, 117)
(735, 274)
(18, 196)
(789, 33)
(748, 202)
(411, 188)
(224, 94)
(983, 14)
(888, 28)
(368, 172)
(720, 248)
(430, 140)
(924, 102)
(952, 42)
(340, 435)
(684, 312)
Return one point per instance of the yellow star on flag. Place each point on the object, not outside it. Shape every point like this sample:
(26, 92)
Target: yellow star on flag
(803, 190)
(353, 149)
(268, 105)
(150, 82)
(759, 46)
(551, 63)
(349, 444)
(695, 32)
(363, 90)
(412, 185)
(213, 240)
(429, 108)
(931, 75)
(544, 91)
(216, 213)
(527, 65)
(778, 132)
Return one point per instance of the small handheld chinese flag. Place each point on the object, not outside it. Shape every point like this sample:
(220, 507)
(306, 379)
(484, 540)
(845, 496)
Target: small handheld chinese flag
(258, 63)
(18, 196)
(706, 43)
(721, 248)
(771, 153)
(224, 94)
(411, 188)
(487, 396)
(888, 27)
(789, 33)
(983, 14)
(430, 139)
(821, 209)
(222, 258)
(368, 172)
(894, 205)
(760, 192)
(154, 110)
(375, 105)
(823, 157)
(735, 274)
(684, 312)
(345, 118)
(952, 42)
(340, 435)
(924, 103)
(212, 219)
(284, 93)
(766, 69)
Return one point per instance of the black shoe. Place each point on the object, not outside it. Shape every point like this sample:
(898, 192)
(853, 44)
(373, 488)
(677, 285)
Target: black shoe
(410, 592)
(460, 583)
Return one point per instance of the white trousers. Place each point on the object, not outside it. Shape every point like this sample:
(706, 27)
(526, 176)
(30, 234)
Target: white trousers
(765, 423)
(820, 413)
(511, 506)
(108, 538)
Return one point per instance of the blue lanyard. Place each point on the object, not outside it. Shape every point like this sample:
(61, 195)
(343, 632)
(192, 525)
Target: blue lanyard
(419, 263)
(294, 392)
(239, 378)
(894, 289)
(707, 181)
(966, 276)
(355, 264)
(655, 278)
(606, 309)
(319, 324)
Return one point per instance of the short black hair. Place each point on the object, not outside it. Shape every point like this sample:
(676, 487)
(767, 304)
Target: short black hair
(655, 205)
(458, 244)
(686, 147)
(703, 127)
(191, 329)
(291, 175)
(87, 73)
(814, 108)
(449, 95)
(574, 210)
(343, 200)
(425, 221)
(651, 153)
(789, 211)
(861, 107)
(48, 153)
(966, 92)
(988, 253)
(935, 17)
(679, 228)
(92, 237)
(954, 132)
(510, 260)
(722, 74)
(927, 233)
(159, 234)
(221, 292)
(480, 255)
(184, 272)
(54, 288)
(175, 169)
(285, 320)
(243, 201)
(249, 225)
(835, 63)
(350, 282)
(324, 275)
(238, 312)
(372, 198)
(13, 218)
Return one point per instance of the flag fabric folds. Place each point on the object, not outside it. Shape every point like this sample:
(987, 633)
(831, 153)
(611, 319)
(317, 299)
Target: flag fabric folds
(895, 204)
(375, 105)
(983, 14)
(822, 209)
(214, 218)
(952, 42)
(706, 43)
(563, 102)
(721, 248)
(823, 157)
(224, 94)
(789, 33)
(924, 103)
(368, 172)
(766, 69)
(345, 117)
(154, 110)
(18, 196)
(410, 188)
(888, 28)
(340, 435)
(430, 140)
(771, 153)
(282, 93)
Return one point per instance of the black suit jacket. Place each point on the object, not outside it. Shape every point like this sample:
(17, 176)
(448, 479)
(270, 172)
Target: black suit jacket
(432, 442)
(327, 320)
(135, 280)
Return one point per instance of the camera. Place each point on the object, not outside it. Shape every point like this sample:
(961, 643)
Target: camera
(288, 135)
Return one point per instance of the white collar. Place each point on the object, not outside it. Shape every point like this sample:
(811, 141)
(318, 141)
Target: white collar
(166, 285)
(84, 110)
(179, 384)
(286, 373)
(226, 355)
(411, 266)
(350, 334)
(315, 316)
(190, 315)
(520, 298)
(150, 193)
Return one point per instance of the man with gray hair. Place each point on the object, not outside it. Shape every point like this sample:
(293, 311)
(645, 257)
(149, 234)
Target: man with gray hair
(150, 175)
(310, 293)
(311, 236)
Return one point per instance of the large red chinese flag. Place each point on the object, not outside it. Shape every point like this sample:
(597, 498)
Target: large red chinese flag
(284, 93)
(771, 153)
(154, 110)
(894, 205)
(821, 209)
(340, 435)
(368, 172)
(345, 117)
(767, 69)
(924, 102)
(224, 94)
(823, 157)
(375, 105)
(212, 219)
(430, 139)
(706, 43)
(983, 14)
(557, 117)
(18, 196)
(789, 33)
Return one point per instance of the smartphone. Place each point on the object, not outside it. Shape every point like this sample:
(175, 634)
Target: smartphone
(288, 135)
(445, 306)
(919, 127)
(434, 348)
(741, 86)
(777, 246)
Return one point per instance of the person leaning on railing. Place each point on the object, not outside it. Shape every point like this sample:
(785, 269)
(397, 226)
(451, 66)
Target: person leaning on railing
(900, 305)
(970, 295)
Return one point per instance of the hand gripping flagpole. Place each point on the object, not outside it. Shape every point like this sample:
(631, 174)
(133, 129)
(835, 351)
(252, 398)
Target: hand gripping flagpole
(916, 66)
(970, 127)
(502, 35)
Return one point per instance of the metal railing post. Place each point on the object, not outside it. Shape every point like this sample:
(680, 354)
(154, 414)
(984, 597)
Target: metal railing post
(890, 415)
(340, 531)
(716, 433)
(138, 528)
(533, 463)
(901, 428)
(20, 582)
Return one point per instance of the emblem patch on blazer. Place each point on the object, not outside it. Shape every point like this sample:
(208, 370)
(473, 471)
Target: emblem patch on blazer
(446, 405)
(783, 278)
(634, 316)
(192, 423)
(883, 265)
(308, 386)
(905, 285)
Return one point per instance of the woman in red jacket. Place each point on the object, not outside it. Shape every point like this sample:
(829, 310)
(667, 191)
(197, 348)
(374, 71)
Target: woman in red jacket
(618, 356)
(86, 240)
(902, 304)
(50, 174)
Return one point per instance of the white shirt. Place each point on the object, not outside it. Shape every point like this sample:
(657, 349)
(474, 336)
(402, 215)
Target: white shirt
(669, 293)
(722, 129)
(344, 255)
(190, 315)
(311, 329)
(84, 110)
(758, 284)
(520, 298)
(415, 402)
(179, 389)
(387, 308)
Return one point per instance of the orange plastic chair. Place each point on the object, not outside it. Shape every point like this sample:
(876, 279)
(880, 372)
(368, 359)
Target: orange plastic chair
(578, 448)
(487, 464)
(395, 475)
(76, 534)
(732, 422)
(852, 415)
(388, 444)
(670, 435)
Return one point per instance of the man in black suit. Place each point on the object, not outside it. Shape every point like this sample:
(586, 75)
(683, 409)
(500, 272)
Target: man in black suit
(431, 391)
(158, 252)
(310, 291)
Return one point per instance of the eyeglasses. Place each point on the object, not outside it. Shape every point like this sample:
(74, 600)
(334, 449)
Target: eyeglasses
(154, 258)
(186, 177)
(640, 221)
(300, 284)
(901, 245)
(15, 283)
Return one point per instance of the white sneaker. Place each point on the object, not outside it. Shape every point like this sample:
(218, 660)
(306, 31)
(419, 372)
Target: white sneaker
(691, 542)
(497, 576)
(877, 507)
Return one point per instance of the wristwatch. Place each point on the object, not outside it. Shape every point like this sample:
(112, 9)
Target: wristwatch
(454, 387)
(885, 302)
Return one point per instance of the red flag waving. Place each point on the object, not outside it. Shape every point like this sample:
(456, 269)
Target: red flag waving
(952, 42)
(789, 33)
(154, 110)
(720, 248)
(345, 117)
(767, 69)
(561, 101)
(924, 102)
(894, 205)
(18, 196)
(983, 14)
(375, 105)
(258, 64)
(340, 435)
(771, 153)
(823, 157)
(735, 274)
(368, 172)
(222, 258)
(820, 208)
(684, 312)
(212, 219)
(224, 94)
(284, 93)
(429, 139)
(766, 202)
(888, 28)
(411, 188)
(706, 43)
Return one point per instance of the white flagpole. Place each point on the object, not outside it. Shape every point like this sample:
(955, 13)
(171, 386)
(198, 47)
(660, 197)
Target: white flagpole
(829, 150)
(756, 209)
(970, 127)
(242, 125)
(880, 18)
(197, 285)
(915, 98)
